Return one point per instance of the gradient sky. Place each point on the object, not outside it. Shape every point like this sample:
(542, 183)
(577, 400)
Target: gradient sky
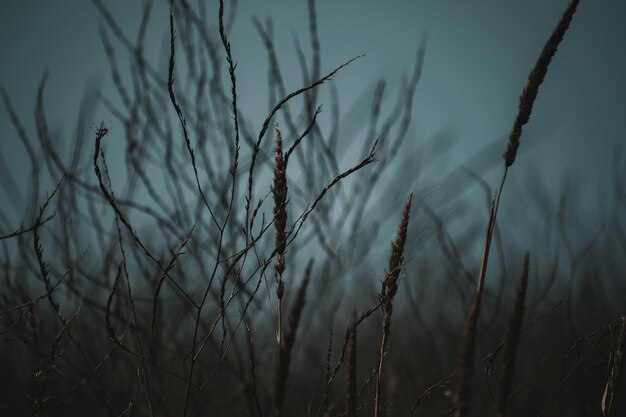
(478, 55)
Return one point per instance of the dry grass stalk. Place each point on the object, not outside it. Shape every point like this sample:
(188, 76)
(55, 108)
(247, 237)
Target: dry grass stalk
(101, 131)
(107, 316)
(284, 352)
(466, 363)
(181, 117)
(328, 379)
(235, 115)
(616, 363)
(44, 269)
(388, 291)
(254, 405)
(257, 146)
(39, 401)
(351, 374)
(527, 99)
(512, 342)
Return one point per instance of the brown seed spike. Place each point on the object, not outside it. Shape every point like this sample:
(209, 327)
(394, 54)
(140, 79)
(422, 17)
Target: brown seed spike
(388, 291)
(535, 78)
(390, 283)
(279, 191)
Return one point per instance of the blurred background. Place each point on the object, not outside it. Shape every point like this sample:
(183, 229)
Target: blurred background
(476, 62)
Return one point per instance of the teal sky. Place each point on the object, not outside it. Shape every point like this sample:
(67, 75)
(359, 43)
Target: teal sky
(478, 55)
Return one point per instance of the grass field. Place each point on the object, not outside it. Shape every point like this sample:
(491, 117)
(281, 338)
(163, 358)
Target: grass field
(182, 260)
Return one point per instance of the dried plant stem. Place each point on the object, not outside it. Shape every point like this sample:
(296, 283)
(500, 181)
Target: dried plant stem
(24, 230)
(527, 99)
(181, 117)
(101, 131)
(284, 353)
(388, 291)
(266, 123)
(351, 375)
(616, 363)
(256, 406)
(512, 342)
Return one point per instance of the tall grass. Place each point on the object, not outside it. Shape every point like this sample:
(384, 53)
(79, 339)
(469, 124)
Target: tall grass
(166, 266)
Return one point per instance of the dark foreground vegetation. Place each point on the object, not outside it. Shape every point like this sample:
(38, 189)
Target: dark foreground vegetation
(182, 261)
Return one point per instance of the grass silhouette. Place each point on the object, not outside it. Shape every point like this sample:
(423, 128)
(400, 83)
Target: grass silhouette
(191, 288)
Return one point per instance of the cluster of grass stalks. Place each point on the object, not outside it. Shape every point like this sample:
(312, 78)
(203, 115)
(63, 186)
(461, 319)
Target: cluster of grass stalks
(152, 273)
